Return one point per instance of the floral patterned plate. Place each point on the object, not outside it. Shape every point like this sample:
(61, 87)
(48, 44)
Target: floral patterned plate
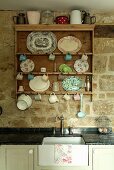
(27, 66)
(81, 65)
(41, 42)
(72, 83)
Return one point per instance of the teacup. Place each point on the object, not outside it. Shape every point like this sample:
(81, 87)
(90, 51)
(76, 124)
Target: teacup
(30, 76)
(22, 57)
(19, 76)
(66, 97)
(45, 77)
(53, 98)
(68, 57)
(76, 96)
(52, 57)
(38, 97)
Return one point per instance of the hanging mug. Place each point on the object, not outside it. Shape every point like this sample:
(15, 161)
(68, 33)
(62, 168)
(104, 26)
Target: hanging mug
(19, 76)
(45, 77)
(30, 76)
(53, 98)
(68, 57)
(66, 97)
(38, 97)
(22, 57)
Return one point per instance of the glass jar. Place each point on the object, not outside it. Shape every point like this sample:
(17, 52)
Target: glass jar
(47, 17)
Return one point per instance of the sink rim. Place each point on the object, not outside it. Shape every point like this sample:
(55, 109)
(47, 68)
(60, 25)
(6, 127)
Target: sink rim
(60, 140)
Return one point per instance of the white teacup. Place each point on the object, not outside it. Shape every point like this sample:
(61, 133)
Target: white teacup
(66, 97)
(53, 98)
(45, 77)
(52, 57)
(19, 76)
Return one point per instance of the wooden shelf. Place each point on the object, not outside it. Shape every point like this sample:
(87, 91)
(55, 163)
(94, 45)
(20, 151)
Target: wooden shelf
(55, 27)
(53, 53)
(84, 32)
(57, 93)
(57, 73)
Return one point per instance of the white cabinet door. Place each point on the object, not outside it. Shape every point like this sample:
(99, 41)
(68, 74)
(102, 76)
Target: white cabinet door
(103, 159)
(18, 157)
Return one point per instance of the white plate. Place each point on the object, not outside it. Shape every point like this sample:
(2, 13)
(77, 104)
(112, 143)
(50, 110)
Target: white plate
(38, 85)
(27, 66)
(41, 42)
(69, 44)
(81, 66)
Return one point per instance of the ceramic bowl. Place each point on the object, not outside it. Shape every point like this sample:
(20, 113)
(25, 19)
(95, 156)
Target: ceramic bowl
(62, 20)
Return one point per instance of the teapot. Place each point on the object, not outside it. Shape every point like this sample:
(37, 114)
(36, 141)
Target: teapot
(20, 19)
(89, 19)
(53, 98)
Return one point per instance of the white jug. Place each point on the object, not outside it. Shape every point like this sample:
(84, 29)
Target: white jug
(75, 17)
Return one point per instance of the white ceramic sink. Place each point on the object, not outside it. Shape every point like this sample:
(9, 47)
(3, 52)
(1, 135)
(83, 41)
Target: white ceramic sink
(63, 140)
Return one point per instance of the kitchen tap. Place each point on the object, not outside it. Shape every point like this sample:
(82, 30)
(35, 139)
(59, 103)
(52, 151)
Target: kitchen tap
(61, 118)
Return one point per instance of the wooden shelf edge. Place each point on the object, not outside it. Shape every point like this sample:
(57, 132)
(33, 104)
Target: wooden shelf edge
(58, 73)
(57, 93)
(55, 27)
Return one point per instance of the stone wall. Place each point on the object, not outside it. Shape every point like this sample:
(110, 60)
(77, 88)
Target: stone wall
(42, 114)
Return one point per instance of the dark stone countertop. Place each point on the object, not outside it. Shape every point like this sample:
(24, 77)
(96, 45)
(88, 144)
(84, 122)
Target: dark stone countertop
(34, 136)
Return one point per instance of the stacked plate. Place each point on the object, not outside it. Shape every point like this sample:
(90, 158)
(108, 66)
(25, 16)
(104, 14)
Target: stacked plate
(38, 84)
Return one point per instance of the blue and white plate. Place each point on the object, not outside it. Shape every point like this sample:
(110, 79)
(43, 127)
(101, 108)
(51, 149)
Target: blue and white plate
(72, 83)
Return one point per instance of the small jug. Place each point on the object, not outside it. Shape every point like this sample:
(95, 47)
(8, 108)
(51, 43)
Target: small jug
(53, 98)
(89, 19)
(68, 57)
(19, 76)
(55, 86)
(20, 19)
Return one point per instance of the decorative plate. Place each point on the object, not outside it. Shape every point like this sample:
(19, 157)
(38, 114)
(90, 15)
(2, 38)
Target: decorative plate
(38, 85)
(72, 83)
(41, 42)
(27, 66)
(81, 66)
(69, 44)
